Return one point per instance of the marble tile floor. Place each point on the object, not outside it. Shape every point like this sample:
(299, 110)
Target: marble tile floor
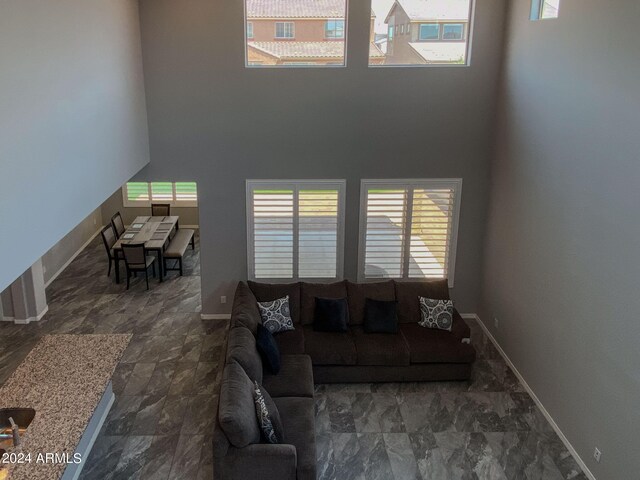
(160, 425)
(488, 428)
(166, 383)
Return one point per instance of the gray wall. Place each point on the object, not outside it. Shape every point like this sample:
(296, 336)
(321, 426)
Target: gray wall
(72, 118)
(113, 204)
(61, 252)
(562, 267)
(215, 122)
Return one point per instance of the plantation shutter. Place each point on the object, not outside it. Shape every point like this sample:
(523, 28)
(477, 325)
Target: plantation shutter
(137, 192)
(186, 192)
(318, 233)
(386, 214)
(273, 233)
(161, 191)
(410, 228)
(295, 229)
(431, 226)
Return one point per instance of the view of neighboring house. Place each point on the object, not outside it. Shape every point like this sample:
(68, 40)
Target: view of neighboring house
(427, 32)
(298, 32)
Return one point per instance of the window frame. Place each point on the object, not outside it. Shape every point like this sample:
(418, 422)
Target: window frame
(147, 203)
(284, 30)
(296, 185)
(537, 9)
(326, 29)
(411, 183)
(249, 27)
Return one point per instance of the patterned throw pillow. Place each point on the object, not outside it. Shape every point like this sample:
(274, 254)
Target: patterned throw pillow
(436, 313)
(264, 419)
(276, 315)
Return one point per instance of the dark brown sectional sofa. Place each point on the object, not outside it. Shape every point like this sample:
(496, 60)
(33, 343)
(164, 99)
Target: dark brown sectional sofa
(415, 353)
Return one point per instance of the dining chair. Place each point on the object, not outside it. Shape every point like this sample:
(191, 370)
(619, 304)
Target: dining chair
(160, 209)
(109, 239)
(118, 224)
(137, 260)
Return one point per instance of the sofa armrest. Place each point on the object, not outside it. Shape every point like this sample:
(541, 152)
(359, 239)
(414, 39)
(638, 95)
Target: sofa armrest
(260, 461)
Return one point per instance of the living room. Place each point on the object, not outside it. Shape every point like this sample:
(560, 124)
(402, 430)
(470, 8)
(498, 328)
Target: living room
(482, 153)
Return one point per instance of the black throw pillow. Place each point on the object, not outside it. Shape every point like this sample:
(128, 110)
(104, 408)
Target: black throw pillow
(331, 315)
(380, 316)
(268, 349)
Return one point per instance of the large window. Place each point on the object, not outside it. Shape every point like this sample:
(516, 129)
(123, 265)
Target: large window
(143, 194)
(408, 228)
(295, 33)
(295, 229)
(439, 37)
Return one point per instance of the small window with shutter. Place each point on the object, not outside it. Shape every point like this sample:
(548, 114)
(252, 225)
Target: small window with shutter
(408, 228)
(295, 229)
(143, 194)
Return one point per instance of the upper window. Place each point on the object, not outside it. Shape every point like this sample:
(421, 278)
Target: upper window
(295, 33)
(334, 29)
(143, 194)
(408, 228)
(295, 229)
(284, 30)
(440, 35)
(542, 9)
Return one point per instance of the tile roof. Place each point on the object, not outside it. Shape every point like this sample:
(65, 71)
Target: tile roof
(435, 9)
(296, 8)
(440, 52)
(286, 50)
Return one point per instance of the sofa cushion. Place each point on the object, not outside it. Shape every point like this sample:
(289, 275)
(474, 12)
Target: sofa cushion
(380, 348)
(236, 410)
(428, 345)
(245, 308)
(380, 316)
(268, 292)
(331, 315)
(290, 342)
(276, 315)
(460, 327)
(299, 430)
(436, 313)
(407, 294)
(357, 293)
(241, 347)
(268, 349)
(328, 348)
(309, 292)
(267, 414)
(295, 378)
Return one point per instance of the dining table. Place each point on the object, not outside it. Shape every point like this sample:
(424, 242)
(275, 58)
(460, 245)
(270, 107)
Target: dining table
(154, 232)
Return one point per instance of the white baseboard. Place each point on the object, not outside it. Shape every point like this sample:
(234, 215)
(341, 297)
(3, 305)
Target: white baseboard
(73, 257)
(215, 316)
(535, 398)
(24, 321)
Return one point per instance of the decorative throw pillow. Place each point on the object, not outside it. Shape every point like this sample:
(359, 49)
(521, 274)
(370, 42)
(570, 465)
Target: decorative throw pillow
(266, 412)
(268, 349)
(436, 313)
(380, 316)
(331, 315)
(276, 315)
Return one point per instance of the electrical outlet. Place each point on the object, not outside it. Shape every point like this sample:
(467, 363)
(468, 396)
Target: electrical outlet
(95, 221)
(223, 299)
(597, 454)
(496, 322)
